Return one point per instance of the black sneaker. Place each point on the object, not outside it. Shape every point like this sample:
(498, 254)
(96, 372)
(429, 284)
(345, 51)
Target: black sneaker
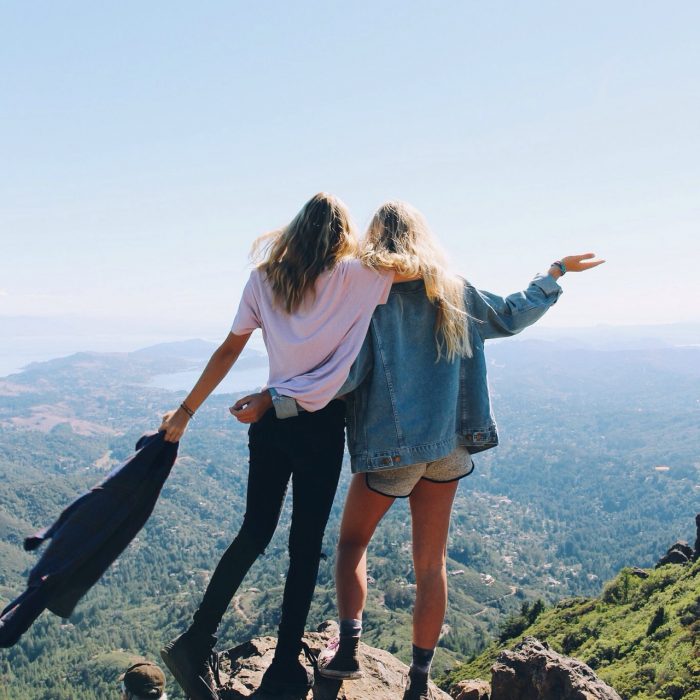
(287, 676)
(190, 661)
(417, 687)
(340, 659)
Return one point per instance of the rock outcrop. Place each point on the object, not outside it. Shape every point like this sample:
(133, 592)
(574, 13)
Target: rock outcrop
(384, 675)
(472, 690)
(533, 671)
(639, 573)
(678, 553)
(681, 552)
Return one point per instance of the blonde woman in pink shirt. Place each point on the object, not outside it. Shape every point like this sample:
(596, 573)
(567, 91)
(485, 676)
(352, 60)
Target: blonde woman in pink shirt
(299, 296)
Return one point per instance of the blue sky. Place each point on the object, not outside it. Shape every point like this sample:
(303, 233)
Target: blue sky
(144, 146)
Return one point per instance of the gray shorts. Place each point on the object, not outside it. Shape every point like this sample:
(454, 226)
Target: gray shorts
(399, 483)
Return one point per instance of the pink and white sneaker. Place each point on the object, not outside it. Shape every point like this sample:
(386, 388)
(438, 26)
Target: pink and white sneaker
(340, 659)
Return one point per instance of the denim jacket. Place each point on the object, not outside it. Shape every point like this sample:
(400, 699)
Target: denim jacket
(403, 406)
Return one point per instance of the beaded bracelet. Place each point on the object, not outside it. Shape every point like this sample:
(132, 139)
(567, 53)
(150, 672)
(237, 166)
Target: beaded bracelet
(187, 409)
(561, 266)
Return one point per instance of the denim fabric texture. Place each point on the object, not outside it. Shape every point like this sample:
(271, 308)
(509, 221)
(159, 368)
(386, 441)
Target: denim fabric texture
(403, 407)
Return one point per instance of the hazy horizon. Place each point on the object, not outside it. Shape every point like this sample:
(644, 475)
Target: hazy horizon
(36, 339)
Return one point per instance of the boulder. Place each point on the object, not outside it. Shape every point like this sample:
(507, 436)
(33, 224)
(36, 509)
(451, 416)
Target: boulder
(533, 671)
(471, 690)
(678, 553)
(682, 547)
(639, 573)
(242, 667)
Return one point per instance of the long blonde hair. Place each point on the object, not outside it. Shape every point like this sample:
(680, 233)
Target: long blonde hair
(399, 238)
(320, 235)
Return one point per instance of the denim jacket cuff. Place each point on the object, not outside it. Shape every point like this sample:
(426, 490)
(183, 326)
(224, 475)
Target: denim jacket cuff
(548, 285)
(285, 406)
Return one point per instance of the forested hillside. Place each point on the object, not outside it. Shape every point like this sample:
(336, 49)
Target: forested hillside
(642, 635)
(598, 469)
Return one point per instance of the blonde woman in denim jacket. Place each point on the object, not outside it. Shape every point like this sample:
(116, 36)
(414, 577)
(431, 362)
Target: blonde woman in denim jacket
(419, 411)
(417, 408)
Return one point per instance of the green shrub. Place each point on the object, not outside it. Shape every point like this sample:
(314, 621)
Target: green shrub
(573, 640)
(656, 621)
(675, 690)
(647, 673)
(660, 579)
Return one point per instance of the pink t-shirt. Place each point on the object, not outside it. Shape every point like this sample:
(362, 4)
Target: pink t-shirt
(312, 349)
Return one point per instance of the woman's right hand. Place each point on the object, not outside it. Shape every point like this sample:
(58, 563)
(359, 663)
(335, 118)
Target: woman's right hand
(174, 424)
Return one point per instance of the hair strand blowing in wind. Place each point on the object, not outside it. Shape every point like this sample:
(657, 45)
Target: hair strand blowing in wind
(317, 238)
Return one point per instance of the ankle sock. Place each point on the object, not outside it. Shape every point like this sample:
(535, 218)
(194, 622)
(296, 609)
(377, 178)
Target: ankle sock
(422, 660)
(350, 628)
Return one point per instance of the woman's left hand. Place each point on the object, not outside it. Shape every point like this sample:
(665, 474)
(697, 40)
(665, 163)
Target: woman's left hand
(581, 263)
(250, 409)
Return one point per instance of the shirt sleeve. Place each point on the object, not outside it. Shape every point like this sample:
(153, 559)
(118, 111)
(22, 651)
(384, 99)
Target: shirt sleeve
(360, 368)
(369, 284)
(248, 316)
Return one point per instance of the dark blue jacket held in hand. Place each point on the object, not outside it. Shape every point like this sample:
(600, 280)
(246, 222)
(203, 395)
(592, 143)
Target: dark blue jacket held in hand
(89, 535)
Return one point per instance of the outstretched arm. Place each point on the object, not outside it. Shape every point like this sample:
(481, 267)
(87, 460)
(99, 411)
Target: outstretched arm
(175, 422)
(499, 317)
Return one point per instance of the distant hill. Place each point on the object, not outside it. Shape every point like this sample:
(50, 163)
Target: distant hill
(198, 352)
(605, 337)
(195, 349)
(641, 635)
(137, 366)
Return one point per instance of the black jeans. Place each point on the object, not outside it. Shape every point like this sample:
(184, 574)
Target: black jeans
(307, 449)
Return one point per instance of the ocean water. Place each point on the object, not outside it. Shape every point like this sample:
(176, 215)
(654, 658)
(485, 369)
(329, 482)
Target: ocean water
(235, 382)
(17, 351)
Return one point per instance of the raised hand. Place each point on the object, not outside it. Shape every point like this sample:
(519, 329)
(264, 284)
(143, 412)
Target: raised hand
(581, 263)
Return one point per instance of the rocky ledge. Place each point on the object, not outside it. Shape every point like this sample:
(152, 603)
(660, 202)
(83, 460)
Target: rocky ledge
(533, 671)
(242, 667)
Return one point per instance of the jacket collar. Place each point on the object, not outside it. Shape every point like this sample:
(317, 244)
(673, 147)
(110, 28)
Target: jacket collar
(404, 287)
